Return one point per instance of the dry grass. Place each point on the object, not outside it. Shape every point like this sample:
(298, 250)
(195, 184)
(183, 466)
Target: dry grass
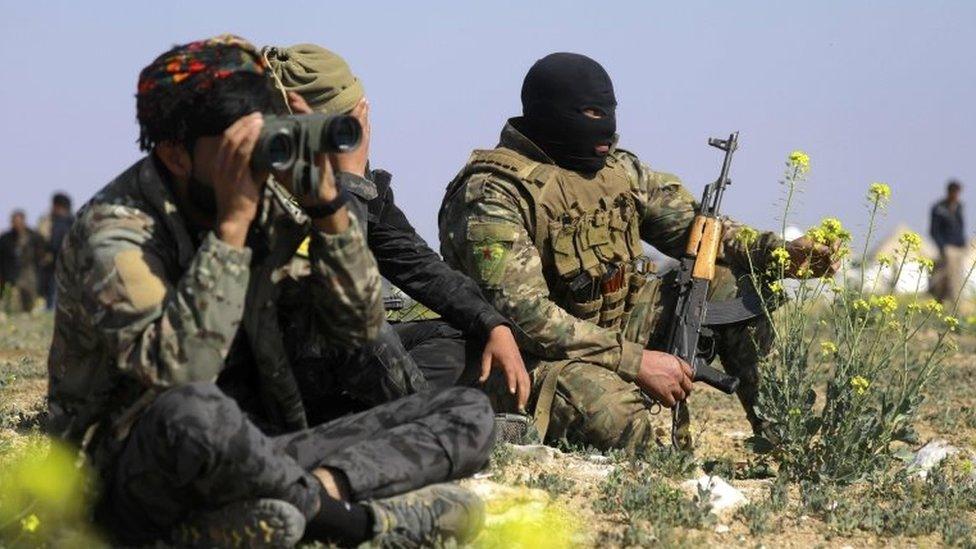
(609, 501)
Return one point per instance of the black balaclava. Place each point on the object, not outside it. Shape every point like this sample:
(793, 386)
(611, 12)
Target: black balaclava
(556, 90)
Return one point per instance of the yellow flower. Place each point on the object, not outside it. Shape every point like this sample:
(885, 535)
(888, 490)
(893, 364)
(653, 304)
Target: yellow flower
(781, 257)
(829, 231)
(887, 304)
(794, 412)
(747, 236)
(860, 384)
(951, 322)
(911, 241)
(879, 193)
(934, 307)
(30, 523)
(894, 326)
(884, 260)
(828, 348)
(776, 287)
(860, 305)
(835, 229)
(799, 162)
(914, 308)
(925, 264)
(818, 235)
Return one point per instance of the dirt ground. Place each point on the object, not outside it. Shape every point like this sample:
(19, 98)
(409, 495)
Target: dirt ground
(529, 480)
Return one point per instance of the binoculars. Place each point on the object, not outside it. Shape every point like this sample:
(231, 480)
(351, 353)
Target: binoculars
(289, 144)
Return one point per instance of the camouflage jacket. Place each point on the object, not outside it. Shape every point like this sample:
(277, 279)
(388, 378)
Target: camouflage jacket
(141, 307)
(517, 283)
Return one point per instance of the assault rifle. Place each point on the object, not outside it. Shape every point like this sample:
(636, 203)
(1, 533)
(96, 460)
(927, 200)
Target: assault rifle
(693, 313)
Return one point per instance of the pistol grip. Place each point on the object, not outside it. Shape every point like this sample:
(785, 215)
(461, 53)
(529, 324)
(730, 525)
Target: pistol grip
(719, 380)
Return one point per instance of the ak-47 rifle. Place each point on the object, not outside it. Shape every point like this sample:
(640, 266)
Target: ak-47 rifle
(693, 313)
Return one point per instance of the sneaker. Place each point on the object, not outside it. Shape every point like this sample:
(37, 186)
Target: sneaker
(427, 516)
(251, 523)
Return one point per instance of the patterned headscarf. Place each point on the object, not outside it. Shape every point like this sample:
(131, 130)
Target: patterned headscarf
(200, 63)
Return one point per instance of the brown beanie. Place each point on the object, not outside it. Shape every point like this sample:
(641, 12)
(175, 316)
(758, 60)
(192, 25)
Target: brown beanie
(320, 76)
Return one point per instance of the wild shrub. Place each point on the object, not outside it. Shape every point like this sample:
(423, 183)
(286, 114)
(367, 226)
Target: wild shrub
(850, 364)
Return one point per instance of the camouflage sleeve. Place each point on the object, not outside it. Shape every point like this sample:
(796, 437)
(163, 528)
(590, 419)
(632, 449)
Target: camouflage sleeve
(668, 210)
(489, 240)
(162, 334)
(347, 296)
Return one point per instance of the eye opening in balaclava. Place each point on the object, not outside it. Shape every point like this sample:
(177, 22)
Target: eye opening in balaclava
(555, 93)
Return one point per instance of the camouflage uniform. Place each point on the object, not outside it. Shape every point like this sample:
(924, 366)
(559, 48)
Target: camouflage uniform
(168, 355)
(561, 255)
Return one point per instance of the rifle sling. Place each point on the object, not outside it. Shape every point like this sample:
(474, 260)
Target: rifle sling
(547, 395)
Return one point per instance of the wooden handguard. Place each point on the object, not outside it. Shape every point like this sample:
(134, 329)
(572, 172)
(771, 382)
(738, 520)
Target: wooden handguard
(703, 243)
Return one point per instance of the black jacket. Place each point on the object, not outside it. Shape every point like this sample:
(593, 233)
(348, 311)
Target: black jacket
(947, 226)
(405, 259)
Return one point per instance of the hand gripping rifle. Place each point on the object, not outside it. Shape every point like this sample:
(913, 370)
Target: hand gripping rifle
(693, 314)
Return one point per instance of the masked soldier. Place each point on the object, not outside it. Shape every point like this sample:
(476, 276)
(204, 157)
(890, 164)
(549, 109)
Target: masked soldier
(551, 223)
(406, 356)
(168, 365)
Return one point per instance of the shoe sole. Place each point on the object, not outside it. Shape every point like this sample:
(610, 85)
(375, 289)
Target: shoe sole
(249, 524)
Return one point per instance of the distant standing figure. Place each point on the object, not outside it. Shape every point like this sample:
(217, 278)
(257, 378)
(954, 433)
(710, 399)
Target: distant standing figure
(21, 249)
(53, 227)
(948, 230)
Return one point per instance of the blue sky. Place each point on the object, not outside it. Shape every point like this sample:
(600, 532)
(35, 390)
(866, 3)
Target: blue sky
(873, 91)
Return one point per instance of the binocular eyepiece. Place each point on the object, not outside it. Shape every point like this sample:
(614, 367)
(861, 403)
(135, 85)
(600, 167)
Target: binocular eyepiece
(289, 144)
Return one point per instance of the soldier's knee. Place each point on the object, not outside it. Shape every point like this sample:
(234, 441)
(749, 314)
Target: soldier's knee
(622, 425)
(472, 416)
(192, 408)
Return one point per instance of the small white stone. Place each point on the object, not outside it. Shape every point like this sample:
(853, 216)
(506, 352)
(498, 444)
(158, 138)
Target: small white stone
(722, 495)
(930, 456)
(722, 529)
(537, 452)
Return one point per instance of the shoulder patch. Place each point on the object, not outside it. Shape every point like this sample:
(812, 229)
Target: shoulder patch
(144, 288)
(491, 246)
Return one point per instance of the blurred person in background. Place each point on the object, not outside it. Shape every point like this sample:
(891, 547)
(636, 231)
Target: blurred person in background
(53, 227)
(21, 251)
(948, 230)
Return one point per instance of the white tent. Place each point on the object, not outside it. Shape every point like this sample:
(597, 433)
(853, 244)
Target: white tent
(881, 278)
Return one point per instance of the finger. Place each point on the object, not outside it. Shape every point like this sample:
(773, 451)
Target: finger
(246, 148)
(510, 377)
(227, 143)
(298, 104)
(687, 384)
(668, 400)
(231, 140)
(678, 395)
(485, 365)
(524, 388)
(686, 369)
(242, 143)
(359, 111)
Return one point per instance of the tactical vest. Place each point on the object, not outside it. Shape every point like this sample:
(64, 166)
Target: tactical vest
(587, 231)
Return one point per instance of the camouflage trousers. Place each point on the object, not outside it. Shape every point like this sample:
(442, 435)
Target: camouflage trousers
(406, 358)
(593, 406)
(193, 449)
